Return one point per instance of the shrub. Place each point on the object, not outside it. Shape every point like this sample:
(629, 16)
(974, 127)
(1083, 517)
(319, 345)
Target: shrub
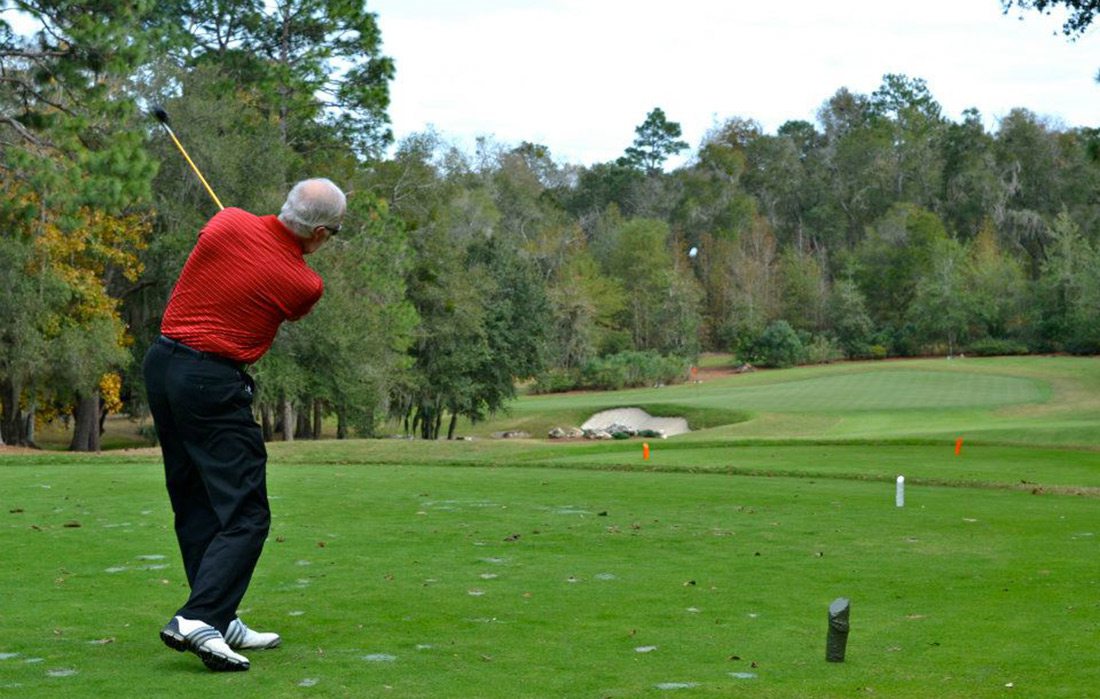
(621, 370)
(877, 352)
(777, 346)
(994, 347)
(632, 368)
(556, 381)
(823, 350)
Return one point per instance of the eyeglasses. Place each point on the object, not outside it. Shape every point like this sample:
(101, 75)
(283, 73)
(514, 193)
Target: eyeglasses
(331, 229)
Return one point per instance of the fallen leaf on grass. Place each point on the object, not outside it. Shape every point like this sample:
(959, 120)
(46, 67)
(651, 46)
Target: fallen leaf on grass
(71, 524)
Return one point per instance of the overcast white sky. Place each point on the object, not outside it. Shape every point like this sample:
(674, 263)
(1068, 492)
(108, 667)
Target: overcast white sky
(580, 75)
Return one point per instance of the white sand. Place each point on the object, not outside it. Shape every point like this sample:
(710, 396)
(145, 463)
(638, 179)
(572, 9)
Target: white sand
(637, 419)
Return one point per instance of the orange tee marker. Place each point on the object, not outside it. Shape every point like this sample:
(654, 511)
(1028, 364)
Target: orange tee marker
(645, 451)
(958, 446)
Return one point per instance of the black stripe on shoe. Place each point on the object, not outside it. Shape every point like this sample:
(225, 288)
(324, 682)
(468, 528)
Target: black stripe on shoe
(234, 635)
(172, 636)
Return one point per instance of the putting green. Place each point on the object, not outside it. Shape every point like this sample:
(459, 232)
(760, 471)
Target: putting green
(902, 389)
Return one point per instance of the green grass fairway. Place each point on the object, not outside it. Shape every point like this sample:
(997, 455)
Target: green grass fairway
(527, 568)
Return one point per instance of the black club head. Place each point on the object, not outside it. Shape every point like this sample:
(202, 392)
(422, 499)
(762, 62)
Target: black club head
(160, 114)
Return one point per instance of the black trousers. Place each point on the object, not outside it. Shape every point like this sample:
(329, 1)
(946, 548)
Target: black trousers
(215, 467)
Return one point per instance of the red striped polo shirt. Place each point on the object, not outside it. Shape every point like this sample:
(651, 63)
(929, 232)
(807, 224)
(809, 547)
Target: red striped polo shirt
(245, 276)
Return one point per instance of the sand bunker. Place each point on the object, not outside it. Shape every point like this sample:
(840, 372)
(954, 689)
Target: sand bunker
(637, 419)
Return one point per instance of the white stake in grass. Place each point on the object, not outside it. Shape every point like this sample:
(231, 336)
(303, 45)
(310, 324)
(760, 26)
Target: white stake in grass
(899, 496)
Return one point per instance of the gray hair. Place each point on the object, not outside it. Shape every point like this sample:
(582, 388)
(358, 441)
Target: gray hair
(311, 203)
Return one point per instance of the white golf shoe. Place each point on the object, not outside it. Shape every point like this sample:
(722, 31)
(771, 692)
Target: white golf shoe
(205, 641)
(241, 637)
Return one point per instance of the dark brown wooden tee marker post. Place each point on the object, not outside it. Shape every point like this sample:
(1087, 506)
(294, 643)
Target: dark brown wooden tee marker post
(837, 641)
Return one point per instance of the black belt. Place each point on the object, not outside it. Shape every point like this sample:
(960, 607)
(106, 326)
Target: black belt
(180, 348)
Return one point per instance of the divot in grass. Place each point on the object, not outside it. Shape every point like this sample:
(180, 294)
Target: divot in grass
(569, 510)
(308, 682)
(676, 685)
(743, 675)
(380, 658)
(61, 672)
(645, 649)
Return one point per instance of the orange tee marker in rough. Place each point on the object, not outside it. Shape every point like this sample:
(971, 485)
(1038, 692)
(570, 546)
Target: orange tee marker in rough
(958, 446)
(645, 451)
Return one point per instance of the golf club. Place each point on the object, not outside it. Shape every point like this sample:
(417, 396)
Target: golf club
(162, 117)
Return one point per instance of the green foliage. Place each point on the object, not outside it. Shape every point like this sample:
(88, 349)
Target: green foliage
(778, 346)
(631, 369)
(315, 66)
(656, 140)
(75, 180)
(353, 346)
(897, 253)
(662, 297)
(881, 228)
(822, 350)
(584, 304)
(1080, 15)
(556, 380)
(848, 319)
(615, 372)
(939, 305)
(993, 347)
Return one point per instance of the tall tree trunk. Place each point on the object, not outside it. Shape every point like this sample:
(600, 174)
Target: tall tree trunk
(288, 420)
(451, 427)
(342, 422)
(303, 430)
(318, 417)
(28, 426)
(86, 423)
(266, 423)
(10, 416)
(368, 422)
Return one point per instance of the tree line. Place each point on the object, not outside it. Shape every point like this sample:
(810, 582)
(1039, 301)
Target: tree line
(883, 228)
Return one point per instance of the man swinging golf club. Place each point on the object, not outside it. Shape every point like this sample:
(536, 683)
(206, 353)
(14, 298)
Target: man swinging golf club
(244, 277)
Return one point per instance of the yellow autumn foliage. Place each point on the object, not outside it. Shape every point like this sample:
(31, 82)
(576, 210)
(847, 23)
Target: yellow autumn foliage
(110, 389)
(84, 257)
